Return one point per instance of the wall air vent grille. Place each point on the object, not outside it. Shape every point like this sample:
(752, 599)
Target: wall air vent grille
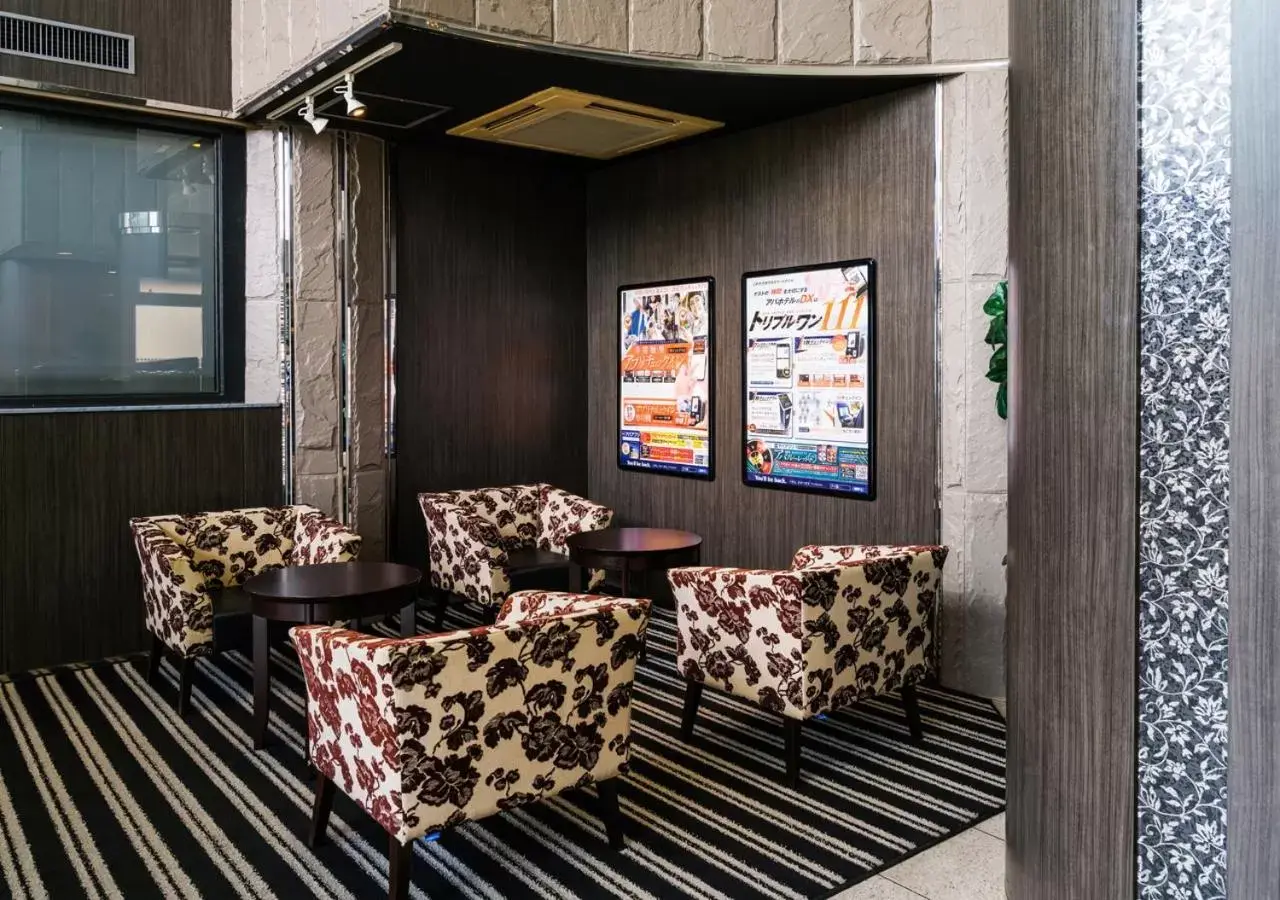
(65, 43)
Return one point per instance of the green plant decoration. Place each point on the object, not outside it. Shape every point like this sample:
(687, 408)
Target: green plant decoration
(997, 336)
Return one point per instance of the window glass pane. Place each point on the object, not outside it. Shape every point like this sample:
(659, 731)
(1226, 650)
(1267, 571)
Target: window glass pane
(108, 259)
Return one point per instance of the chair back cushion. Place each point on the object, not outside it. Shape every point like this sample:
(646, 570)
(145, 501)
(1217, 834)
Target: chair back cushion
(228, 548)
(512, 510)
(430, 732)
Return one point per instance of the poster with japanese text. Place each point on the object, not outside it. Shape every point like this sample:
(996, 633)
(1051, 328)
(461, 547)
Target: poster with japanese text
(665, 377)
(809, 373)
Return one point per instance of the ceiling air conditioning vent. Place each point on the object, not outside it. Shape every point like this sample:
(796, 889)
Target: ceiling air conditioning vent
(564, 121)
(64, 43)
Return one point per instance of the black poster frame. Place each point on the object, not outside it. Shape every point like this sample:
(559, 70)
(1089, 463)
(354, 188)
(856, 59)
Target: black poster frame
(873, 425)
(710, 474)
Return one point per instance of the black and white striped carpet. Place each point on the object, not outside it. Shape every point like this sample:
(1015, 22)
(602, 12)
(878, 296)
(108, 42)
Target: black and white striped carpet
(105, 792)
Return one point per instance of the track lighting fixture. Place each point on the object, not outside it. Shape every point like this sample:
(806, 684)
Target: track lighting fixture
(308, 113)
(347, 90)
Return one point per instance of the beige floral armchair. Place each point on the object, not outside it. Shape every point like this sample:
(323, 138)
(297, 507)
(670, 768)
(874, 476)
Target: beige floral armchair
(427, 732)
(479, 540)
(843, 624)
(192, 566)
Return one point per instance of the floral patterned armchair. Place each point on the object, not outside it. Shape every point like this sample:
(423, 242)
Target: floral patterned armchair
(427, 732)
(478, 540)
(843, 624)
(190, 561)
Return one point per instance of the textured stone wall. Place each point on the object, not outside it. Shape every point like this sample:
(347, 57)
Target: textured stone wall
(272, 38)
(831, 32)
(366, 461)
(316, 324)
(263, 276)
(975, 237)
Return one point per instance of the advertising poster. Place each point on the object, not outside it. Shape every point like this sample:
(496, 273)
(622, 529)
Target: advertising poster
(808, 363)
(664, 378)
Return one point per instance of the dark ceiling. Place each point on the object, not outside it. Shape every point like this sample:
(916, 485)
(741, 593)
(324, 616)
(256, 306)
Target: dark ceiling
(468, 77)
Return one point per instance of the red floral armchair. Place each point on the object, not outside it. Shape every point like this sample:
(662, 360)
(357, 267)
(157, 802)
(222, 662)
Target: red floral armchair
(843, 624)
(431, 731)
(191, 565)
(477, 539)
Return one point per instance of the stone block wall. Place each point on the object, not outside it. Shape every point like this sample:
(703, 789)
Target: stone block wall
(830, 32)
(317, 324)
(272, 38)
(263, 275)
(975, 238)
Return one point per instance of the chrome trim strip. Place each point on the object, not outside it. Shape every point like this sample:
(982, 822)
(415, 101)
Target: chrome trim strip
(871, 70)
(346, 162)
(29, 88)
(389, 276)
(162, 407)
(284, 213)
(939, 214)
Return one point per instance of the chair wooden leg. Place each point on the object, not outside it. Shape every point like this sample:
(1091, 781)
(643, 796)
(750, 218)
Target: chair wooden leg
(442, 606)
(185, 674)
(320, 808)
(399, 860)
(692, 697)
(153, 662)
(911, 703)
(792, 740)
(611, 813)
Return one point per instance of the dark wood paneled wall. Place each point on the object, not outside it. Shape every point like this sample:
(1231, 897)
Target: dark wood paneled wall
(491, 326)
(182, 48)
(1253, 794)
(1073, 450)
(70, 482)
(851, 182)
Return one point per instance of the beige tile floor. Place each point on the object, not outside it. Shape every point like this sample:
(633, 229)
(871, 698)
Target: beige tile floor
(969, 866)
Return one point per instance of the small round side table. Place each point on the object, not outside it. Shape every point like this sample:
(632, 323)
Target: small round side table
(305, 595)
(628, 550)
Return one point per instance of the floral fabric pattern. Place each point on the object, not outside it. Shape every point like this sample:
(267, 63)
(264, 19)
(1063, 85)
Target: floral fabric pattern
(184, 557)
(813, 639)
(1184, 453)
(470, 534)
(428, 732)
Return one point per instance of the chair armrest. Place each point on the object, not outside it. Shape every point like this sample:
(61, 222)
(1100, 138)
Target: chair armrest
(741, 629)
(524, 606)
(465, 551)
(878, 633)
(179, 610)
(563, 514)
(351, 723)
(318, 538)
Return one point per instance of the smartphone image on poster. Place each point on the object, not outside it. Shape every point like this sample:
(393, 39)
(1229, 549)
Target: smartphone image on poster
(782, 360)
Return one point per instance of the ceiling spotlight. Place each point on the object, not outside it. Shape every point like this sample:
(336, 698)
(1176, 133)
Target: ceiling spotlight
(347, 90)
(308, 112)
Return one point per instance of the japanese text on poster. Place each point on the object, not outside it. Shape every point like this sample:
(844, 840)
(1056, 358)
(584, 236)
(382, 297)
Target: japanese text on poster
(808, 371)
(664, 379)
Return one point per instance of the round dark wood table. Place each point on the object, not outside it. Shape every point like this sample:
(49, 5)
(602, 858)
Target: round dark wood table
(628, 550)
(306, 595)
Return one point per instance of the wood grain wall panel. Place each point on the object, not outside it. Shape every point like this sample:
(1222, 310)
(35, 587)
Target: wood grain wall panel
(182, 49)
(1253, 796)
(1073, 380)
(845, 183)
(490, 327)
(69, 582)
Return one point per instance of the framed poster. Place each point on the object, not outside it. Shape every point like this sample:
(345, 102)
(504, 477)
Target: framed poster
(665, 378)
(808, 394)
